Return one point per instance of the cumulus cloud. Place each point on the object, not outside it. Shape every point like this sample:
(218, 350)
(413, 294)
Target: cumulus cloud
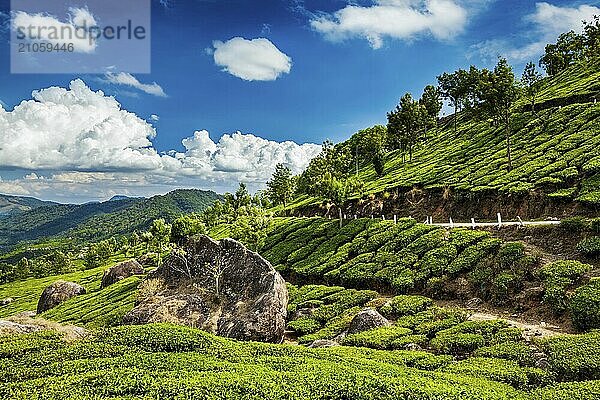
(49, 29)
(546, 23)
(126, 79)
(154, 118)
(251, 60)
(398, 19)
(80, 143)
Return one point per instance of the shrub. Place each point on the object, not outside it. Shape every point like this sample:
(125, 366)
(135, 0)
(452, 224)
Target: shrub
(304, 326)
(590, 246)
(574, 357)
(595, 225)
(400, 306)
(585, 306)
(557, 277)
(574, 224)
(500, 370)
(401, 342)
(519, 352)
(510, 253)
(378, 338)
(457, 343)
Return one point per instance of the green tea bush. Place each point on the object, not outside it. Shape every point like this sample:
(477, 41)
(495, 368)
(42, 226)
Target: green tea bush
(378, 338)
(585, 306)
(500, 370)
(574, 224)
(574, 357)
(400, 343)
(519, 352)
(569, 391)
(557, 277)
(400, 306)
(589, 246)
(304, 326)
(457, 343)
(510, 253)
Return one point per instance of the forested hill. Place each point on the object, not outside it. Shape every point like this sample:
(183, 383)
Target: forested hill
(17, 204)
(460, 166)
(96, 221)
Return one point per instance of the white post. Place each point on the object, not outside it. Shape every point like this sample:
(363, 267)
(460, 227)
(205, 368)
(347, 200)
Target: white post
(473, 223)
(395, 219)
(371, 216)
(520, 221)
(355, 216)
(451, 223)
(430, 220)
(382, 217)
(499, 220)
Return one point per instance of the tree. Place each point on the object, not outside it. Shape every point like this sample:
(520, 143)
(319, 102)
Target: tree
(591, 37)
(252, 229)
(186, 226)
(22, 269)
(405, 125)
(558, 57)
(281, 186)
(499, 91)
(161, 235)
(432, 101)
(334, 160)
(242, 198)
(98, 254)
(531, 80)
(454, 87)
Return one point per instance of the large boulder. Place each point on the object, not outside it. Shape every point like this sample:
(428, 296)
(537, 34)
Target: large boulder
(121, 271)
(220, 287)
(58, 292)
(366, 320)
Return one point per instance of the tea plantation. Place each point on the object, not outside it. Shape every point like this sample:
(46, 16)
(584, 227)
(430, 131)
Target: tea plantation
(162, 361)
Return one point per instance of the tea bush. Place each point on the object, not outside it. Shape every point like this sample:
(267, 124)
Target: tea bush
(589, 246)
(585, 306)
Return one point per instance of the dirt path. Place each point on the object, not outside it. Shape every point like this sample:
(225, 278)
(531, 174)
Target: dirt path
(529, 330)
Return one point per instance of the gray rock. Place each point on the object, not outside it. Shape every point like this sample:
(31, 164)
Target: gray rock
(57, 293)
(220, 287)
(412, 347)
(474, 303)
(13, 328)
(121, 271)
(365, 320)
(321, 343)
(7, 301)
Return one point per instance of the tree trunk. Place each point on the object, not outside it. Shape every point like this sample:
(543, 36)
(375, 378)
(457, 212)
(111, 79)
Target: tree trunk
(507, 121)
(340, 211)
(455, 119)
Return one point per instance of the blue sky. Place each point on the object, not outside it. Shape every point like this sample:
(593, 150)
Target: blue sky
(335, 69)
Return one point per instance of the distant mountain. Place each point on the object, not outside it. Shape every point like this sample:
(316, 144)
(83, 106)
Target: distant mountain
(122, 197)
(97, 221)
(10, 205)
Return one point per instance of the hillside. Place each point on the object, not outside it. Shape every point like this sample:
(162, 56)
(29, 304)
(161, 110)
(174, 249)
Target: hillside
(10, 205)
(556, 162)
(96, 221)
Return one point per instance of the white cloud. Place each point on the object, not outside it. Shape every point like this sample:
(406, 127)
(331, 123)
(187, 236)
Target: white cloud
(77, 143)
(154, 118)
(126, 79)
(251, 60)
(398, 19)
(546, 23)
(48, 28)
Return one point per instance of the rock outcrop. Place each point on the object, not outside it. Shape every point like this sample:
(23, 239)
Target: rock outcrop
(365, 320)
(58, 292)
(220, 287)
(121, 271)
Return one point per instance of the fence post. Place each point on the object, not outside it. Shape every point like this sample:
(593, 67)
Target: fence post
(383, 217)
(499, 220)
(451, 223)
(520, 221)
(473, 223)
(395, 219)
